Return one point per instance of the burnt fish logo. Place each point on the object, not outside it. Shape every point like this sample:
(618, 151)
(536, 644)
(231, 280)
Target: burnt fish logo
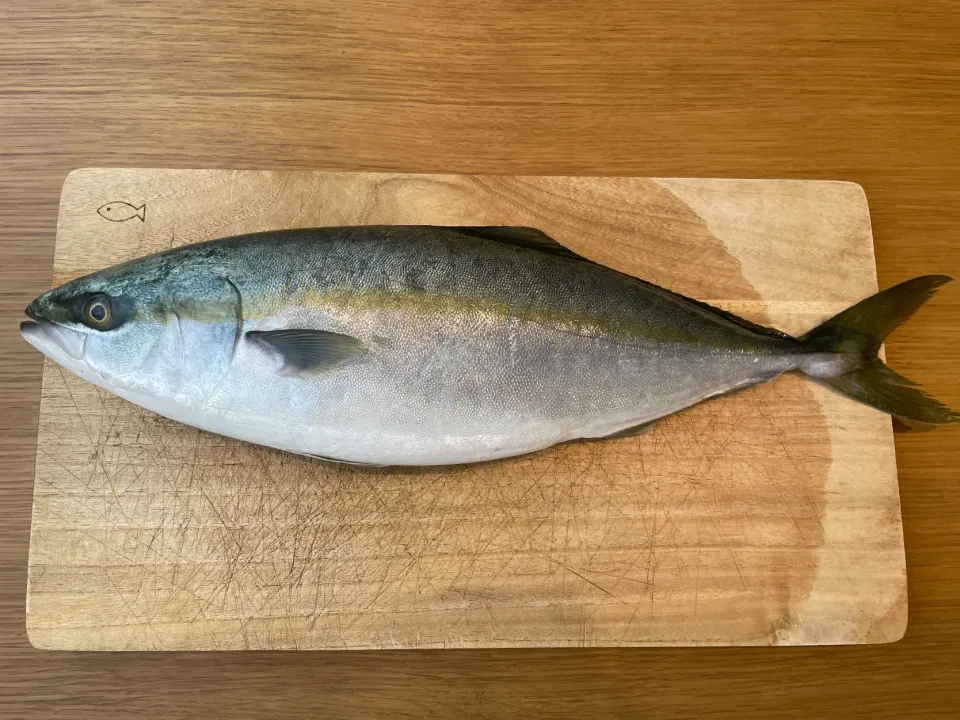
(119, 211)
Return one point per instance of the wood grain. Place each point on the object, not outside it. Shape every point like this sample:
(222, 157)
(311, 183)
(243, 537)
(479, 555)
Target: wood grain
(770, 517)
(853, 90)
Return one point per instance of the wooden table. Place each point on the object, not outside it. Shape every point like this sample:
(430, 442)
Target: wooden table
(862, 91)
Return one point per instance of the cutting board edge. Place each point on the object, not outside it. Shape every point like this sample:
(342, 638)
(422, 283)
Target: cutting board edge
(77, 172)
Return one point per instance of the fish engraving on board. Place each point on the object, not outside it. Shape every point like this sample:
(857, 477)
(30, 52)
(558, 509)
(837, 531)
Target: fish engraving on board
(427, 345)
(119, 211)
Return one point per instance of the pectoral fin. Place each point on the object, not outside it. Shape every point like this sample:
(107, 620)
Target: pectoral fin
(307, 352)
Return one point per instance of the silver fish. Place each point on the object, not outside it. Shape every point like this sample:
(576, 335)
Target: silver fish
(422, 345)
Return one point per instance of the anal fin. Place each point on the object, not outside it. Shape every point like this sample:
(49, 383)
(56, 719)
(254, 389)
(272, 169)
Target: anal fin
(631, 431)
(338, 461)
(640, 429)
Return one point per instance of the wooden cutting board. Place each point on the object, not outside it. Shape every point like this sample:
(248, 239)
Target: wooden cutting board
(768, 517)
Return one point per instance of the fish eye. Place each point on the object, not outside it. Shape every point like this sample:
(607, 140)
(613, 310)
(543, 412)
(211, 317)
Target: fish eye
(97, 312)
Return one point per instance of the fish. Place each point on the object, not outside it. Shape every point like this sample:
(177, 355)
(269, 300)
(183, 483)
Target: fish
(430, 345)
(120, 211)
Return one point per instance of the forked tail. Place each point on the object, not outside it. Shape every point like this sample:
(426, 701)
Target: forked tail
(843, 353)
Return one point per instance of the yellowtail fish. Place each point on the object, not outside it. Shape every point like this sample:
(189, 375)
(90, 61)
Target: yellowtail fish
(423, 345)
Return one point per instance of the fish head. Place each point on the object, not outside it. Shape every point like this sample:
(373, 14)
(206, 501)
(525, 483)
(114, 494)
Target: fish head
(137, 329)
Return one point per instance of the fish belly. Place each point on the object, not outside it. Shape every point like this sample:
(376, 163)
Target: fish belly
(450, 388)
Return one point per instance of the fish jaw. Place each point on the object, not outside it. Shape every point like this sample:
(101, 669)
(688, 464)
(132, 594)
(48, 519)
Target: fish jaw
(58, 343)
(64, 346)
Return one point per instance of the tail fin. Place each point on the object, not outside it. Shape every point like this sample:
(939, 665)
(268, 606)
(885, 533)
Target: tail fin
(843, 353)
(142, 212)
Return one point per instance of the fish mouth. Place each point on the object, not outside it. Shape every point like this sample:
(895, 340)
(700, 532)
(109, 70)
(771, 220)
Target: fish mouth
(53, 340)
(31, 312)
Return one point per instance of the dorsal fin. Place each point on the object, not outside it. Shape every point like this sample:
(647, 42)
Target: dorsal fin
(725, 314)
(525, 237)
(528, 237)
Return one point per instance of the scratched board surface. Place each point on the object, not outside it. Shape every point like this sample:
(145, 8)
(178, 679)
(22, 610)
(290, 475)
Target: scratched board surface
(767, 517)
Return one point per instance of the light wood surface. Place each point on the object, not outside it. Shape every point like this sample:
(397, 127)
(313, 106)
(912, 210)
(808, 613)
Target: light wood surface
(852, 90)
(769, 517)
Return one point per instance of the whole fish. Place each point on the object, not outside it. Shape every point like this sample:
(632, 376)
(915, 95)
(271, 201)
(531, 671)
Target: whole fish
(423, 345)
